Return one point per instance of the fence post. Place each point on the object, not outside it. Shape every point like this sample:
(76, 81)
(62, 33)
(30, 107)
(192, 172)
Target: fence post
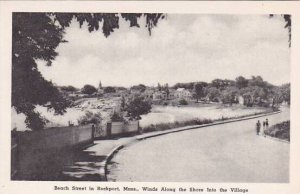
(108, 129)
(139, 129)
(93, 132)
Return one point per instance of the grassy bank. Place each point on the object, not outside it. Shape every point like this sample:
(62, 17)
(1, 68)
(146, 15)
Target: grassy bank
(172, 125)
(166, 126)
(280, 131)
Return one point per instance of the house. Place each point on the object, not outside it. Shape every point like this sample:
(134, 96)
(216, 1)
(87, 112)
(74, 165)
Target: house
(160, 95)
(183, 93)
(241, 100)
(148, 93)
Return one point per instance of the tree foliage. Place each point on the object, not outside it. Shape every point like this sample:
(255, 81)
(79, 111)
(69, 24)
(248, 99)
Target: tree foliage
(167, 90)
(88, 89)
(241, 82)
(213, 94)
(254, 91)
(117, 117)
(198, 91)
(189, 85)
(228, 95)
(35, 37)
(90, 118)
(140, 87)
(282, 93)
(109, 89)
(222, 83)
(137, 107)
(68, 88)
(288, 25)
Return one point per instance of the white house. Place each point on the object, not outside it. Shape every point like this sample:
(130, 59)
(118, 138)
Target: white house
(183, 93)
(241, 100)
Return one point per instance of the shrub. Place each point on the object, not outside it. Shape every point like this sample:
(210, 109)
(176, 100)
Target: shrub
(90, 118)
(183, 102)
(117, 117)
(280, 130)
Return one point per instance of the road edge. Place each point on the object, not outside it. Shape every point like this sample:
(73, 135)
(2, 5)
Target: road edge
(115, 150)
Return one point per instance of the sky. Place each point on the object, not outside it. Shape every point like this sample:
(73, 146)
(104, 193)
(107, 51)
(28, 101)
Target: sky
(182, 48)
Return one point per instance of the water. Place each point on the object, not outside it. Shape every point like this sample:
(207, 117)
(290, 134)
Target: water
(169, 114)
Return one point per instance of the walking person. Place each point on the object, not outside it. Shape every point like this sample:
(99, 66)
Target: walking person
(264, 124)
(258, 127)
(267, 123)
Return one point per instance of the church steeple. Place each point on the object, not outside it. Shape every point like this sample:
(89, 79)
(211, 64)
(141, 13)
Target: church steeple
(100, 85)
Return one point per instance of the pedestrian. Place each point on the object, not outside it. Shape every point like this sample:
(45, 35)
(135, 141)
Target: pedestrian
(264, 124)
(267, 123)
(258, 127)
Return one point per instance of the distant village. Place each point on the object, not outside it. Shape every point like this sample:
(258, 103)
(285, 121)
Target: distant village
(248, 92)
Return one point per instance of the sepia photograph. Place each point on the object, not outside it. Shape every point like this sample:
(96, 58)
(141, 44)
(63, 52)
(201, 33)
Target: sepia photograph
(150, 97)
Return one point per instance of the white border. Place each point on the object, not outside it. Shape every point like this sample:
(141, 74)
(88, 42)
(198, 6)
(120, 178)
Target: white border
(244, 7)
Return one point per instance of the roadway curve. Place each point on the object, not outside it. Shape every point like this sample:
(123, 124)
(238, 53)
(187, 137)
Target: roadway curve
(229, 152)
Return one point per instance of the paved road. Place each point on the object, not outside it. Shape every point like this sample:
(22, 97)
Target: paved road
(224, 153)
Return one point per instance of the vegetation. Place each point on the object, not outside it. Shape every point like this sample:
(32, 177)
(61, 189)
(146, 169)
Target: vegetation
(199, 90)
(88, 89)
(280, 130)
(140, 87)
(213, 94)
(35, 37)
(68, 88)
(123, 103)
(137, 107)
(166, 89)
(189, 85)
(229, 94)
(253, 91)
(165, 126)
(109, 89)
(90, 118)
(117, 117)
(183, 102)
(241, 82)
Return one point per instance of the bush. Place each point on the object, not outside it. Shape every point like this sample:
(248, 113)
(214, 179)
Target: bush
(280, 130)
(117, 117)
(90, 118)
(183, 102)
